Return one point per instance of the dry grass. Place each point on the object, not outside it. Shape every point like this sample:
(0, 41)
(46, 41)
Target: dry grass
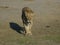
(46, 28)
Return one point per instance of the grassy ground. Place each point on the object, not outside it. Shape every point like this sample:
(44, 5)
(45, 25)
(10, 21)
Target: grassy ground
(46, 28)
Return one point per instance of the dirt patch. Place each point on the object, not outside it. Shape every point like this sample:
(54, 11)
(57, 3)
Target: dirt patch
(4, 7)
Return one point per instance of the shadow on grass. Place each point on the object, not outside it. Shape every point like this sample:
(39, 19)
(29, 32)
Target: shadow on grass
(17, 27)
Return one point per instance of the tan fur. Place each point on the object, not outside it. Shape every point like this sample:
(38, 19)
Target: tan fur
(27, 18)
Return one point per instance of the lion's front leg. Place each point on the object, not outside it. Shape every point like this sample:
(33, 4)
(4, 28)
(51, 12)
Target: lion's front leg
(28, 29)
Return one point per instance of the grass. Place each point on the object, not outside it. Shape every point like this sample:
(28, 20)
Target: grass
(46, 30)
(55, 38)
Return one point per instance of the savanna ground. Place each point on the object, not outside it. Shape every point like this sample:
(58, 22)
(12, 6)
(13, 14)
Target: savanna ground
(46, 28)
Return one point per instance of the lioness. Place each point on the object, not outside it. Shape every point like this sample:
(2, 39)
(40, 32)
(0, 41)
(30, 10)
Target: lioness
(27, 18)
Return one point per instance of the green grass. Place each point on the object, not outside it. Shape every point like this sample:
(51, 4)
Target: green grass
(27, 41)
(55, 38)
